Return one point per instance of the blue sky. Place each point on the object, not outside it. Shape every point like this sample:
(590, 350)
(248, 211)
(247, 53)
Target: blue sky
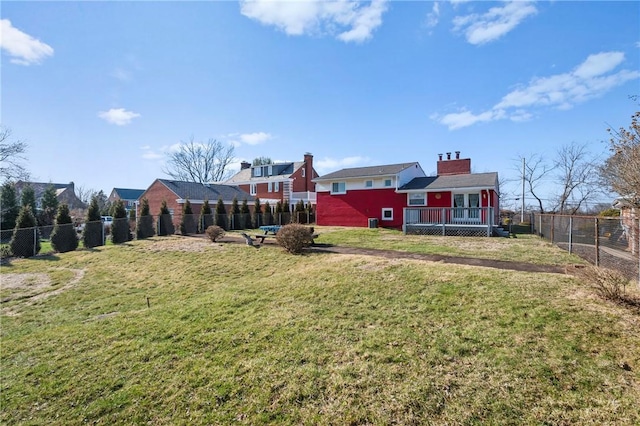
(101, 91)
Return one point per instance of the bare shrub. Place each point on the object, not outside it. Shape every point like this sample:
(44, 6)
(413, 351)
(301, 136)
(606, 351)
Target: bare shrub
(294, 237)
(214, 232)
(608, 284)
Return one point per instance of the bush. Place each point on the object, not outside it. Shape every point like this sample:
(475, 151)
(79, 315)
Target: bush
(26, 238)
(206, 218)
(609, 284)
(120, 232)
(144, 228)
(64, 237)
(214, 232)
(293, 238)
(165, 221)
(94, 232)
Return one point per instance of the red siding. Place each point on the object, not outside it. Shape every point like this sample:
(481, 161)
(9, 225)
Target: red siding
(355, 208)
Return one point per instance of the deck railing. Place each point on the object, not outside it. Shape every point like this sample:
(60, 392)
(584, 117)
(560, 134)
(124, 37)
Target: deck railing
(442, 218)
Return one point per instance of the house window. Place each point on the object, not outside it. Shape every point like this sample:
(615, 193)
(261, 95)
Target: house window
(339, 188)
(303, 172)
(387, 182)
(276, 186)
(253, 190)
(257, 171)
(387, 214)
(270, 187)
(270, 171)
(418, 199)
(368, 184)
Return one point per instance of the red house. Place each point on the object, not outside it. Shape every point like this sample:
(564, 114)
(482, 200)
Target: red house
(281, 181)
(455, 201)
(350, 197)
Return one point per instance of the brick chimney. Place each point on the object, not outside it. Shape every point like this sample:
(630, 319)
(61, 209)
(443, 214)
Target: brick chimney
(457, 166)
(245, 165)
(308, 172)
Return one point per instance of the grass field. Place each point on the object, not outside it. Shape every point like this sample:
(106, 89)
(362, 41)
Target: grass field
(182, 331)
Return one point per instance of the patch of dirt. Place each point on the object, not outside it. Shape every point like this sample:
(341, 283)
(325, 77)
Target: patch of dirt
(183, 244)
(30, 288)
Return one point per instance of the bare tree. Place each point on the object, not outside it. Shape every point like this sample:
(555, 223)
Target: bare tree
(84, 193)
(535, 171)
(621, 171)
(200, 162)
(577, 178)
(12, 156)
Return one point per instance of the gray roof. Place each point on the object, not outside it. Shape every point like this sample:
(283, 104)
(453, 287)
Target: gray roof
(371, 171)
(211, 191)
(439, 183)
(128, 194)
(286, 170)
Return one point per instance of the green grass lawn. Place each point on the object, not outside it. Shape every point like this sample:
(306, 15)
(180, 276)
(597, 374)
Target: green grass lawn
(234, 334)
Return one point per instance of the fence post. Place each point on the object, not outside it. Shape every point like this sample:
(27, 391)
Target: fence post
(444, 220)
(570, 234)
(35, 243)
(553, 226)
(597, 242)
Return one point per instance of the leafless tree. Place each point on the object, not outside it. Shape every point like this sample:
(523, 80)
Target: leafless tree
(536, 170)
(12, 156)
(621, 171)
(84, 193)
(200, 162)
(577, 178)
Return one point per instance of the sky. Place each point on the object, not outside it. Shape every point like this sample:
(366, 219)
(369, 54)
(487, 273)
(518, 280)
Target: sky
(102, 92)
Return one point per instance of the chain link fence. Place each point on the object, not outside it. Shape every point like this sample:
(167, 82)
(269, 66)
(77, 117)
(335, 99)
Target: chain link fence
(609, 242)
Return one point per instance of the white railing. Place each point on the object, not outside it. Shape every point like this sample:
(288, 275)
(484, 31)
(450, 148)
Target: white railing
(451, 216)
(307, 197)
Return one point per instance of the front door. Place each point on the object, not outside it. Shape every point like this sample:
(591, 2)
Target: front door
(466, 207)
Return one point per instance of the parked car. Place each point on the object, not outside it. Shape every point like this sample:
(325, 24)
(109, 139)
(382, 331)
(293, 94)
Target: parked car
(107, 221)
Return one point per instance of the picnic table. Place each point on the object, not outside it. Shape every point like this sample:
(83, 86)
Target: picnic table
(270, 229)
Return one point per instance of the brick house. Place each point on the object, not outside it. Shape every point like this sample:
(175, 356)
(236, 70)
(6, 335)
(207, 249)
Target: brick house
(128, 196)
(65, 193)
(175, 193)
(281, 181)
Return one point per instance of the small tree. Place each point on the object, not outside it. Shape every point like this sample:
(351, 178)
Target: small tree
(245, 215)
(26, 238)
(221, 215)
(206, 218)
(120, 229)
(257, 214)
(29, 199)
(49, 206)
(268, 216)
(300, 210)
(93, 234)
(235, 214)
(144, 229)
(165, 221)
(278, 214)
(64, 237)
(187, 223)
(9, 206)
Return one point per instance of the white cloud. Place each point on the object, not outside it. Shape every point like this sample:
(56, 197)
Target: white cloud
(328, 164)
(118, 116)
(591, 79)
(433, 17)
(349, 21)
(121, 74)
(24, 49)
(255, 138)
(495, 23)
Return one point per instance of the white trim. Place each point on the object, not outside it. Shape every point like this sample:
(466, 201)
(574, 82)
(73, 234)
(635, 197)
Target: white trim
(387, 209)
(253, 188)
(366, 183)
(344, 191)
(424, 198)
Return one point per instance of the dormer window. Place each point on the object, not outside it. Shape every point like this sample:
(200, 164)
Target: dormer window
(257, 171)
(270, 171)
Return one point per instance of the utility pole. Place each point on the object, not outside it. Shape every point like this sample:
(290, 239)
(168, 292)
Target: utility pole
(522, 210)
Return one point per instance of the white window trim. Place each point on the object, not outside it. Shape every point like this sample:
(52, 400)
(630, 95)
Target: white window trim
(368, 183)
(390, 183)
(387, 209)
(253, 189)
(276, 186)
(339, 192)
(303, 172)
(270, 187)
(424, 199)
(269, 170)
